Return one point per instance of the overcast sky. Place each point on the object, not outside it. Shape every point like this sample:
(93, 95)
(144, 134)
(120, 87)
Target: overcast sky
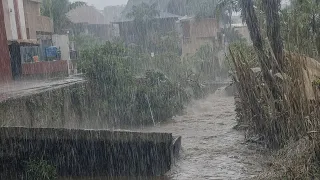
(100, 4)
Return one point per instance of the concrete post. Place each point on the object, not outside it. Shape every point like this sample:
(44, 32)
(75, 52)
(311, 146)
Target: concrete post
(5, 65)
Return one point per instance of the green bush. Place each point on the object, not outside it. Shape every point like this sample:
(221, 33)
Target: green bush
(165, 98)
(40, 170)
(126, 98)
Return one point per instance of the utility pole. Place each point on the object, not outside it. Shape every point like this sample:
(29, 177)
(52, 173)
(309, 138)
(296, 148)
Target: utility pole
(5, 63)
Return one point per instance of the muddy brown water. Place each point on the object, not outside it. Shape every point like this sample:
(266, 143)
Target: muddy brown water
(211, 148)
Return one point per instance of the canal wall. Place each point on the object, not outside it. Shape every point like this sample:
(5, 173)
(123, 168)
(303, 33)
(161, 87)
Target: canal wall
(64, 106)
(87, 152)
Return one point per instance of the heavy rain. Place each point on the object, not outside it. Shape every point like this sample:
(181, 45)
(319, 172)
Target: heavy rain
(159, 89)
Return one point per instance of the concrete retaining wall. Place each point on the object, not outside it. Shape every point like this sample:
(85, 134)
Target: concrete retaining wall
(70, 106)
(87, 152)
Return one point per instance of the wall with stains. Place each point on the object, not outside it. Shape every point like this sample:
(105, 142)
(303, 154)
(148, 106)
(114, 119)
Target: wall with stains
(5, 66)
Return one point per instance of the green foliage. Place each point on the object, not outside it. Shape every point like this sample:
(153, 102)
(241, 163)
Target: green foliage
(125, 96)
(204, 63)
(316, 82)
(40, 170)
(166, 98)
(134, 87)
(300, 27)
(143, 12)
(169, 42)
(247, 51)
(143, 16)
(106, 67)
(85, 41)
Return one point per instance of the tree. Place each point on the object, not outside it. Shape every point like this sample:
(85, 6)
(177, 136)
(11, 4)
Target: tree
(202, 8)
(143, 15)
(57, 9)
(271, 9)
(301, 20)
(225, 9)
(143, 12)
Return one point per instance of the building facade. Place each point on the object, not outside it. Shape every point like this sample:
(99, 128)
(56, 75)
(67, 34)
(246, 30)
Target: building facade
(14, 16)
(90, 21)
(5, 67)
(37, 26)
(27, 33)
(198, 32)
(24, 21)
(162, 24)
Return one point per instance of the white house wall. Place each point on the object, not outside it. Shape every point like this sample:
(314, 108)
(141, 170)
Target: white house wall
(22, 19)
(62, 42)
(12, 20)
(6, 12)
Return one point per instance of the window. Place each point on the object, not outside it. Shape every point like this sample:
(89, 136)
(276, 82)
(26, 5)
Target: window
(28, 53)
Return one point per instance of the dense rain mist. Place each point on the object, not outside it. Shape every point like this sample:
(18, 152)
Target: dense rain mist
(156, 89)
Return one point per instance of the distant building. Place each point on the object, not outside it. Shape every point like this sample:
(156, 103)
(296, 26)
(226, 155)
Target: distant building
(89, 20)
(112, 13)
(166, 21)
(197, 32)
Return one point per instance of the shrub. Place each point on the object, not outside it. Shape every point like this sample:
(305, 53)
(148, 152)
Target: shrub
(128, 99)
(40, 170)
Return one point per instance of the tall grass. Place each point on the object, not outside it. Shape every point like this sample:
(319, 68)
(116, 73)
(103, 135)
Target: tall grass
(290, 122)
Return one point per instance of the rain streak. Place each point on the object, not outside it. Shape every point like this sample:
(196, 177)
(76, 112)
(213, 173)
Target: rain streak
(159, 89)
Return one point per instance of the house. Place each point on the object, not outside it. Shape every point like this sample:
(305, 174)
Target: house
(165, 20)
(5, 67)
(37, 26)
(112, 13)
(197, 32)
(27, 35)
(89, 20)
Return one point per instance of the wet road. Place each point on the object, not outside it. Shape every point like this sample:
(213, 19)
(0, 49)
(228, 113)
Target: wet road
(211, 148)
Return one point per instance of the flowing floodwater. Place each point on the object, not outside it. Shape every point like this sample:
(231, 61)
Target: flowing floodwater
(211, 148)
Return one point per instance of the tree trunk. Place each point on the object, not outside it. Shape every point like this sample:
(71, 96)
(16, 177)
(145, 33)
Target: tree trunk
(251, 19)
(271, 8)
(266, 63)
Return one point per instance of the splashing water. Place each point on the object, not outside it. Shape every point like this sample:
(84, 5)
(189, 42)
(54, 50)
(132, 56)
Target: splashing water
(211, 148)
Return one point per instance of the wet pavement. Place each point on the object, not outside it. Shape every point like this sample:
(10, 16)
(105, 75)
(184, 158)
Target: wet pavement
(211, 148)
(22, 88)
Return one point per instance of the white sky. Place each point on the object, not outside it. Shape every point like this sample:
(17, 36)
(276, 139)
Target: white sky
(100, 4)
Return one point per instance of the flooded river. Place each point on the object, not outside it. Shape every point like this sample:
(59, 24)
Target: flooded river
(211, 148)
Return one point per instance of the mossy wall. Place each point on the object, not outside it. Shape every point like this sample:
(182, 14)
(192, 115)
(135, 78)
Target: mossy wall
(67, 107)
